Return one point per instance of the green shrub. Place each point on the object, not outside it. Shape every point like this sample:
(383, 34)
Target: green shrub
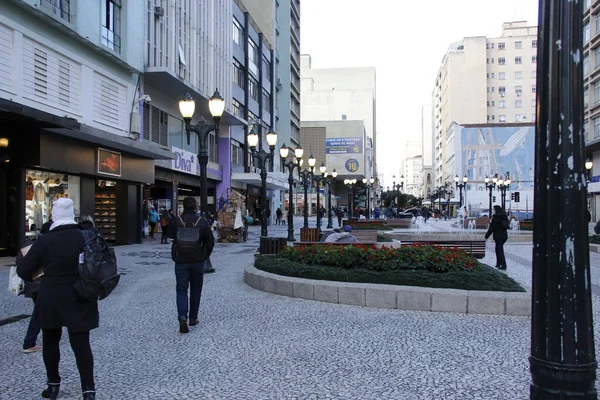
(595, 239)
(431, 258)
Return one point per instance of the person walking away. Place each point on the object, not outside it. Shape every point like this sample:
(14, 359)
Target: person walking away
(31, 291)
(278, 215)
(144, 217)
(498, 228)
(340, 216)
(57, 255)
(192, 246)
(152, 219)
(164, 225)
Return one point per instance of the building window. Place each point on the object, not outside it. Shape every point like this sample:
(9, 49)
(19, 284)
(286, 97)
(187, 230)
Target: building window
(534, 44)
(501, 46)
(597, 23)
(518, 74)
(238, 108)
(518, 90)
(596, 92)
(493, 75)
(238, 32)
(586, 65)
(238, 73)
(532, 102)
(518, 60)
(518, 103)
(252, 52)
(267, 69)
(518, 117)
(493, 103)
(59, 8)
(502, 118)
(502, 90)
(111, 24)
(502, 75)
(596, 127)
(586, 33)
(534, 59)
(237, 153)
(597, 55)
(534, 74)
(266, 98)
(533, 89)
(502, 104)
(501, 60)
(518, 45)
(253, 88)
(586, 97)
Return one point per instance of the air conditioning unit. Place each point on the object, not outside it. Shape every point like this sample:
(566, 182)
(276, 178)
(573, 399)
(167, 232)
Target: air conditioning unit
(518, 93)
(159, 11)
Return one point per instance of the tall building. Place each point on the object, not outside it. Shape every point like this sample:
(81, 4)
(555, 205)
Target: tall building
(69, 74)
(427, 133)
(591, 76)
(484, 80)
(413, 175)
(334, 94)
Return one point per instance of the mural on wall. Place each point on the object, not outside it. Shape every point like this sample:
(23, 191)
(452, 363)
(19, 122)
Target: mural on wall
(345, 155)
(496, 150)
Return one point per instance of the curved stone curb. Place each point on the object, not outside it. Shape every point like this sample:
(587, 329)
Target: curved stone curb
(391, 296)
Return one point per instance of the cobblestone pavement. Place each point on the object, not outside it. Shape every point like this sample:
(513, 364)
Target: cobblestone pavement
(255, 345)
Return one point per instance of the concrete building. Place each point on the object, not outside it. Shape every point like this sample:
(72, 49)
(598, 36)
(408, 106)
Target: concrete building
(484, 80)
(591, 76)
(413, 175)
(337, 94)
(427, 133)
(69, 74)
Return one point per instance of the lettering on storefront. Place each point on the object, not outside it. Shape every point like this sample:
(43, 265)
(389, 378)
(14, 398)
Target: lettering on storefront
(184, 161)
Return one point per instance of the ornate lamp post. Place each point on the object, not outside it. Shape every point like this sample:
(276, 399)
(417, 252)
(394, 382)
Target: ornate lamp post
(291, 164)
(187, 106)
(563, 358)
(262, 157)
(317, 180)
(460, 187)
(329, 180)
(589, 164)
(503, 186)
(350, 183)
(490, 185)
(305, 178)
(368, 185)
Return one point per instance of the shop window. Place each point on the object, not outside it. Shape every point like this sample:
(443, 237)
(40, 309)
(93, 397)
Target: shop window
(41, 189)
(105, 213)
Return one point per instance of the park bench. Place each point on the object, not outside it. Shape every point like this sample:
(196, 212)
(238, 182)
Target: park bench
(399, 222)
(475, 248)
(364, 237)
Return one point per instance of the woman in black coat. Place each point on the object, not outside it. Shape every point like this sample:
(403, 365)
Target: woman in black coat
(500, 235)
(57, 254)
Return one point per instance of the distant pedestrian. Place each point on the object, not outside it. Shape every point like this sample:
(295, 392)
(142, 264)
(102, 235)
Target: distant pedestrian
(278, 215)
(193, 245)
(164, 226)
(152, 219)
(498, 228)
(340, 216)
(56, 254)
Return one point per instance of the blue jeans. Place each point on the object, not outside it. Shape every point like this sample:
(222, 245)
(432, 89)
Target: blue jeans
(33, 330)
(189, 276)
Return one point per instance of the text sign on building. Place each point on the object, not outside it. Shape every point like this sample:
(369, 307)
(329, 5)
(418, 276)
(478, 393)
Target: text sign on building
(343, 145)
(184, 161)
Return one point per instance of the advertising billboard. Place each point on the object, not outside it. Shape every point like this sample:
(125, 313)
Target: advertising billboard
(345, 147)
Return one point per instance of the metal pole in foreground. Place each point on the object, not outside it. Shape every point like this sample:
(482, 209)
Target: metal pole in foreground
(562, 362)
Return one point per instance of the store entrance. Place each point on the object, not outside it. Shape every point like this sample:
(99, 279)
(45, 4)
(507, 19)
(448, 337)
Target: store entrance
(9, 197)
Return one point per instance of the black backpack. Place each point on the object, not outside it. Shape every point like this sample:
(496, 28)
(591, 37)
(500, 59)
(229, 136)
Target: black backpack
(97, 273)
(188, 246)
(504, 224)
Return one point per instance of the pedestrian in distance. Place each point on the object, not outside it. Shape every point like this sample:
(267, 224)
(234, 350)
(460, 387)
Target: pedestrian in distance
(498, 228)
(192, 246)
(164, 225)
(57, 254)
(278, 213)
(152, 219)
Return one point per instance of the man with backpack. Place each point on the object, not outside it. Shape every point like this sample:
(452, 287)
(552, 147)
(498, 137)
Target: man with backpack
(193, 244)
(498, 227)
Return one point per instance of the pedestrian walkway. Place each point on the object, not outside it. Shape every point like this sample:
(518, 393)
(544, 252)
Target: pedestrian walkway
(255, 345)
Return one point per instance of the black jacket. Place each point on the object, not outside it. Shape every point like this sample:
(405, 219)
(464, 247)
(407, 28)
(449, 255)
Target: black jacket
(57, 252)
(206, 235)
(500, 234)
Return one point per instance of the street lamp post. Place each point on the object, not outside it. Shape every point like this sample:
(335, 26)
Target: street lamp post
(291, 164)
(263, 157)
(329, 180)
(305, 178)
(187, 106)
(563, 356)
(460, 187)
(368, 185)
(490, 185)
(503, 186)
(318, 179)
(350, 183)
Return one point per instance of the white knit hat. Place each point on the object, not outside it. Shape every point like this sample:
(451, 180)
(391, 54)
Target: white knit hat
(62, 209)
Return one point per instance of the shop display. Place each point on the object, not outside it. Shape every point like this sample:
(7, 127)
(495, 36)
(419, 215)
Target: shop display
(41, 189)
(231, 226)
(105, 214)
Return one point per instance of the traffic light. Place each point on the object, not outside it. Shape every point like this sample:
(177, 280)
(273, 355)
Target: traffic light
(512, 196)
(494, 199)
(517, 197)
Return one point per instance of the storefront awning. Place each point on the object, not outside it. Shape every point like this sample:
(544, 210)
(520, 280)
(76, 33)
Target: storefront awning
(275, 180)
(109, 140)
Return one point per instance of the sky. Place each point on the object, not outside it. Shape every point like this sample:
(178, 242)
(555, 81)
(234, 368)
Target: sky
(405, 41)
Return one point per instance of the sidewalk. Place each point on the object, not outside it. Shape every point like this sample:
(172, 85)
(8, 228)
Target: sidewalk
(255, 345)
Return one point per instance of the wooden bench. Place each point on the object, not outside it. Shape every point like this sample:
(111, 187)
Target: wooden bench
(399, 222)
(364, 237)
(309, 234)
(475, 248)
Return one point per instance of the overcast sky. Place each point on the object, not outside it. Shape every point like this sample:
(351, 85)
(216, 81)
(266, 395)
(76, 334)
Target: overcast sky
(405, 41)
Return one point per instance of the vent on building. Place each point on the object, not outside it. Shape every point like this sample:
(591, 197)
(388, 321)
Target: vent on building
(40, 72)
(64, 83)
(159, 11)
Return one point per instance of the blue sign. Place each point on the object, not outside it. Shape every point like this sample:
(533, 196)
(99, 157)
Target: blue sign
(352, 165)
(346, 145)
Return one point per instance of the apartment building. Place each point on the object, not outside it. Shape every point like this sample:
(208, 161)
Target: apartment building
(69, 74)
(591, 76)
(484, 80)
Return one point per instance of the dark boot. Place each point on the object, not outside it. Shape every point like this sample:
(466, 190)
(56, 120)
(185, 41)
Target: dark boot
(52, 391)
(89, 395)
